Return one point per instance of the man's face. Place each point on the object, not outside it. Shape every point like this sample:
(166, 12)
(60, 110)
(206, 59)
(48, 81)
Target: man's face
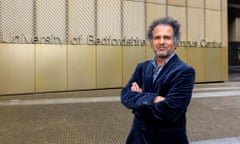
(163, 41)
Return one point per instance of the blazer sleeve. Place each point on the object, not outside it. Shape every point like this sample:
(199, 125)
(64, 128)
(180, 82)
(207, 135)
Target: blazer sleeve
(177, 99)
(135, 100)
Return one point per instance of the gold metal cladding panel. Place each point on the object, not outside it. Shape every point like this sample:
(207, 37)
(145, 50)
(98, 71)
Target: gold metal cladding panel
(225, 28)
(134, 19)
(196, 59)
(195, 3)
(177, 2)
(224, 18)
(225, 63)
(50, 68)
(213, 26)
(154, 12)
(81, 67)
(16, 20)
(51, 18)
(195, 24)
(109, 66)
(132, 55)
(213, 4)
(16, 68)
(179, 13)
(81, 20)
(109, 19)
(182, 53)
(224, 4)
(149, 52)
(214, 64)
(157, 1)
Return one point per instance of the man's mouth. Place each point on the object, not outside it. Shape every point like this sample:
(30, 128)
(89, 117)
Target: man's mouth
(161, 48)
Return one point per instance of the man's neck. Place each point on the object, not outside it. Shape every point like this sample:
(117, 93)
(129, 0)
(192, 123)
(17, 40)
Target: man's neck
(160, 61)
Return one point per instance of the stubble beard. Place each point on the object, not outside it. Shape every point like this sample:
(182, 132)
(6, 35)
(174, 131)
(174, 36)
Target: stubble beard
(162, 55)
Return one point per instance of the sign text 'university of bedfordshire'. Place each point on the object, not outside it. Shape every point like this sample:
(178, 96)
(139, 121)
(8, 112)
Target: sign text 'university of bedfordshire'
(106, 40)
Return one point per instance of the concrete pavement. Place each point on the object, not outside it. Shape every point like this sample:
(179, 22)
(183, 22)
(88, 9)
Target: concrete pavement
(97, 117)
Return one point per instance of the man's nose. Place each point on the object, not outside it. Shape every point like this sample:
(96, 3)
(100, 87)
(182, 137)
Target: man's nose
(161, 41)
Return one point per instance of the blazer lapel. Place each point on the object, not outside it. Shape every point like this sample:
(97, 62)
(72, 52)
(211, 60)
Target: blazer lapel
(166, 69)
(148, 76)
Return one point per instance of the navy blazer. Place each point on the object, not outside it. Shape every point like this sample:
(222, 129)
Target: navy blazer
(163, 122)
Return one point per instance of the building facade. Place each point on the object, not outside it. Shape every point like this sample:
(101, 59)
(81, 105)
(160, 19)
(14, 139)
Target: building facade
(65, 45)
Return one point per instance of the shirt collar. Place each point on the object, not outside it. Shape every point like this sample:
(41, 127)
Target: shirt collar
(155, 64)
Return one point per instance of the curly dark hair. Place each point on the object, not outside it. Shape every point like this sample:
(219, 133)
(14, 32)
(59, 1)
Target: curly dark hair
(166, 21)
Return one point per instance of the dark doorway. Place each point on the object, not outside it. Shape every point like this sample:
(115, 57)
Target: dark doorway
(234, 39)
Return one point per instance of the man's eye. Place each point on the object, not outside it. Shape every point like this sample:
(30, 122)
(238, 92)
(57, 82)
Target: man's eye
(156, 37)
(167, 37)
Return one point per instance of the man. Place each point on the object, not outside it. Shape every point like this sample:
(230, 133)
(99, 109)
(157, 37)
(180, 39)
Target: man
(160, 90)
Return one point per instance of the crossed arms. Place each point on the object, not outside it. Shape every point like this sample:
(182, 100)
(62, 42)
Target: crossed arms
(164, 108)
(135, 88)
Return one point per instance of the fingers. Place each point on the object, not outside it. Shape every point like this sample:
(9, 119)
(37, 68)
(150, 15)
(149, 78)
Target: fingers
(135, 87)
(134, 84)
(158, 99)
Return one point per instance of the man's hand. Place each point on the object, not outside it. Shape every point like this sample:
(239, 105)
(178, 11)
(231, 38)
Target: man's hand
(135, 87)
(158, 99)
